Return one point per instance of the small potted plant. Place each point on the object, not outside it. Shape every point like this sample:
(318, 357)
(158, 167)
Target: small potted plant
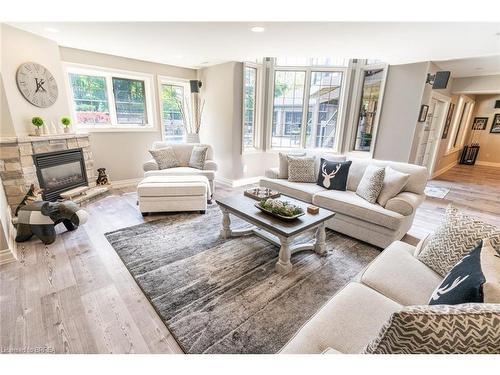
(38, 123)
(66, 122)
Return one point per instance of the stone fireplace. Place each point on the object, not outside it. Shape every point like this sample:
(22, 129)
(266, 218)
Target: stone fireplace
(54, 162)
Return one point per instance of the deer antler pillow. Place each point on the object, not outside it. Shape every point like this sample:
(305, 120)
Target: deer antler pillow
(333, 174)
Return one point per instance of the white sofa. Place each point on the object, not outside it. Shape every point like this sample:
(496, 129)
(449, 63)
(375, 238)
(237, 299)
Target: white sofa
(355, 216)
(183, 153)
(355, 315)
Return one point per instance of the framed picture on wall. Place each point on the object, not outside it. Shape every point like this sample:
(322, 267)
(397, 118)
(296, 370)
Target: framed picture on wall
(479, 123)
(447, 124)
(423, 113)
(495, 127)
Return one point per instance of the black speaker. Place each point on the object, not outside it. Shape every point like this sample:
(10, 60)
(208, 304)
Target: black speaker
(497, 103)
(441, 80)
(195, 85)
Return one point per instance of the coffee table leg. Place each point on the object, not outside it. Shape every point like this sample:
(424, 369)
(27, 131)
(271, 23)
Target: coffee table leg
(320, 246)
(226, 224)
(284, 265)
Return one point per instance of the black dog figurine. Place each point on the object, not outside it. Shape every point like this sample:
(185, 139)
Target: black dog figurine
(102, 177)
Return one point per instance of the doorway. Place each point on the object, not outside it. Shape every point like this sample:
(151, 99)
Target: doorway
(431, 134)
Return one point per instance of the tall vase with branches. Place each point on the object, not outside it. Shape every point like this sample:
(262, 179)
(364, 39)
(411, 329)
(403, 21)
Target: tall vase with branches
(191, 118)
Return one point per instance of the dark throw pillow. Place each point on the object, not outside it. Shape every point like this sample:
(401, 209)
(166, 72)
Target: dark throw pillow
(473, 279)
(332, 175)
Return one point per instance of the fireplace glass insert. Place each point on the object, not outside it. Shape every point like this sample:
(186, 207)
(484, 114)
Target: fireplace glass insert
(60, 171)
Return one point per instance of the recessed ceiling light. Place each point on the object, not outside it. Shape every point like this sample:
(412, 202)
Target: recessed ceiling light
(51, 30)
(258, 29)
(179, 56)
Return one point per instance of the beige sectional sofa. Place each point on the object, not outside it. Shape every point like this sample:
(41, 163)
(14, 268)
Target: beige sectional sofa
(356, 314)
(355, 216)
(183, 153)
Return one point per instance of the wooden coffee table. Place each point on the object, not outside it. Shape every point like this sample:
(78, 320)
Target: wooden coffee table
(279, 232)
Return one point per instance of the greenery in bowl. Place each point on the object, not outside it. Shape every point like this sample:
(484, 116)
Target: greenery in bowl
(66, 121)
(37, 121)
(282, 208)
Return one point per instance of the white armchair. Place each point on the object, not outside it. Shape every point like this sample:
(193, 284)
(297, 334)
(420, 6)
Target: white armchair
(183, 153)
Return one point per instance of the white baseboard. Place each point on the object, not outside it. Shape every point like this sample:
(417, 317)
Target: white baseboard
(124, 183)
(442, 170)
(7, 256)
(237, 183)
(488, 164)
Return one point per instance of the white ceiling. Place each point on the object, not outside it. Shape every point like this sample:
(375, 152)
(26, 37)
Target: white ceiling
(198, 44)
(476, 66)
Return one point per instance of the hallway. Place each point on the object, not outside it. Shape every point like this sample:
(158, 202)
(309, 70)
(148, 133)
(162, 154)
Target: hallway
(474, 189)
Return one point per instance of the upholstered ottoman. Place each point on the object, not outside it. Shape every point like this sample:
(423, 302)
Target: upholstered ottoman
(173, 193)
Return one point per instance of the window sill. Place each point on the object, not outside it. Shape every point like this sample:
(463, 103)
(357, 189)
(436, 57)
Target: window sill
(116, 129)
(359, 154)
(300, 150)
(251, 150)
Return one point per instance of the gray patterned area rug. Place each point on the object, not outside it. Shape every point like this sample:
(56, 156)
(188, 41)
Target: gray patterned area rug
(223, 296)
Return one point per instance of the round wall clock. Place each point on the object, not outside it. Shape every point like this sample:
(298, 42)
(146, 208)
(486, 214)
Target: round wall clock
(36, 84)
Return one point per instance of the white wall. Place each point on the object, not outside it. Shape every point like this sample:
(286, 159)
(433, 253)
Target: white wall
(18, 47)
(403, 95)
(477, 85)
(123, 153)
(222, 124)
(489, 152)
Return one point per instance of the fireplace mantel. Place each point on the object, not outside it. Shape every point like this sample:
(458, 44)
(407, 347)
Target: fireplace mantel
(35, 138)
(17, 167)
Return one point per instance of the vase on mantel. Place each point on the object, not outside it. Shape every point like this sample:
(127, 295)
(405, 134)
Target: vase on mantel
(192, 138)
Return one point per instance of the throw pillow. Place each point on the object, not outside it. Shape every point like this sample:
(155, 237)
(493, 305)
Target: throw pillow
(165, 158)
(457, 234)
(464, 283)
(421, 244)
(301, 169)
(394, 183)
(333, 174)
(283, 165)
(443, 329)
(371, 183)
(198, 156)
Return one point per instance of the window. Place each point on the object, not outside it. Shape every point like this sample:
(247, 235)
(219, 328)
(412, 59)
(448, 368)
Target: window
(90, 99)
(288, 108)
(249, 106)
(105, 99)
(173, 105)
(323, 109)
(130, 101)
(368, 107)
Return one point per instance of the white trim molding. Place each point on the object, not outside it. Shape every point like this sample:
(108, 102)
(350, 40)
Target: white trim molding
(124, 183)
(442, 170)
(488, 164)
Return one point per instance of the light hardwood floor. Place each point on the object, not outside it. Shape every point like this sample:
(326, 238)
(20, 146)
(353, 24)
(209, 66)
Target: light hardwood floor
(76, 296)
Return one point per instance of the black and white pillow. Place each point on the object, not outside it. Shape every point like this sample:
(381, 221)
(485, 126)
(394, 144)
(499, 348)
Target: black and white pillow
(474, 279)
(471, 328)
(332, 175)
(455, 237)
